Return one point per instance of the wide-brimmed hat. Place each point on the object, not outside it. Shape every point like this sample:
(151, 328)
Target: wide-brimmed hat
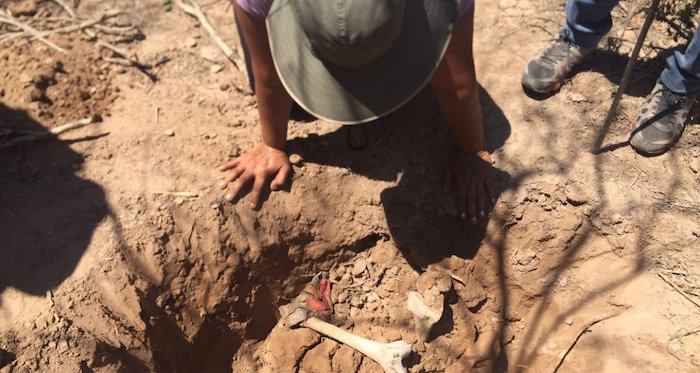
(353, 61)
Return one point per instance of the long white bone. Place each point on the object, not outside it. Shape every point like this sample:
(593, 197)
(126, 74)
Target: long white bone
(388, 355)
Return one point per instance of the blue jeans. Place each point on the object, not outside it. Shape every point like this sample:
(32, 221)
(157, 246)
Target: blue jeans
(587, 21)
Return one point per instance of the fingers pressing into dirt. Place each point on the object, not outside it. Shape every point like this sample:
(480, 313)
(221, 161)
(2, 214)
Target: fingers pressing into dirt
(257, 165)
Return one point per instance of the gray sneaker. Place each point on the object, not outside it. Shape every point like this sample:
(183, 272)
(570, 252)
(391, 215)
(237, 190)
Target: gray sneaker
(546, 72)
(661, 120)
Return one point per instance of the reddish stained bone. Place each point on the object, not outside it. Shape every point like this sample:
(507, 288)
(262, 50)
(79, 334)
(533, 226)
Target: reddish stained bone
(318, 297)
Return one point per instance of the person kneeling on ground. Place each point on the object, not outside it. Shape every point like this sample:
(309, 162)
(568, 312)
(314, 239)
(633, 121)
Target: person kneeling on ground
(662, 118)
(352, 62)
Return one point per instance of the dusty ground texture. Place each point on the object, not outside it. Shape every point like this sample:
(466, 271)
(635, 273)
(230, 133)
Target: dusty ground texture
(119, 256)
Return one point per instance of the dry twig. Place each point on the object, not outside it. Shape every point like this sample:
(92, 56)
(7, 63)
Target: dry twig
(565, 352)
(193, 9)
(53, 132)
(6, 18)
(177, 194)
(67, 8)
(676, 288)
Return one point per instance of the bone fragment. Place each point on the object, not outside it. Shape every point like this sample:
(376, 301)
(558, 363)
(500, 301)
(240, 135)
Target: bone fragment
(388, 355)
(424, 316)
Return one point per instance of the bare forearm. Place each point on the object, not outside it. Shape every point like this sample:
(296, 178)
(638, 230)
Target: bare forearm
(463, 115)
(274, 105)
(457, 91)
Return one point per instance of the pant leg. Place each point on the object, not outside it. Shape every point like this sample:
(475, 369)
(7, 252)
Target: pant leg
(587, 21)
(682, 72)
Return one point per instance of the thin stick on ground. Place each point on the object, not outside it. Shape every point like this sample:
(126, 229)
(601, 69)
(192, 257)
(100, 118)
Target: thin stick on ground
(67, 8)
(679, 336)
(676, 288)
(177, 194)
(193, 9)
(53, 132)
(6, 18)
(583, 330)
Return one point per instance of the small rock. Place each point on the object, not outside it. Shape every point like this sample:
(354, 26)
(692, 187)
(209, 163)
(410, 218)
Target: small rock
(359, 267)
(296, 159)
(577, 97)
(569, 321)
(190, 42)
(575, 194)
(210, 54)
(430, 279)
(342, 297)
(63, 345)
(563, 282)
(215, 68)
(225, 87)
(52, 345)
(179, 201)
(169, 133)
(354, 312)
(694, 163)
(356, 302)
(372, 298)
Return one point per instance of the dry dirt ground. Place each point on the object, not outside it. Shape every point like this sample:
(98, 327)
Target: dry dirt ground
(118, 254)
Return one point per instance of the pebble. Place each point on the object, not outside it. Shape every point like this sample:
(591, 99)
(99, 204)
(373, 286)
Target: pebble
(346, 279)
(372, 298)
(354, 312)
(575, 194)
(225, 86)
(52, 345)
(359, 267)
(569, 321)
(694, 164)
(342, 297)
(296, 159)
(215, 68)
(209, 53)
(63, 345)
(190, 42)
(169, 133)
(356, 302)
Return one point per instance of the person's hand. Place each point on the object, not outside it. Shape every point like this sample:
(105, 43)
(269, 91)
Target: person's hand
(258, 164)
(472, 174)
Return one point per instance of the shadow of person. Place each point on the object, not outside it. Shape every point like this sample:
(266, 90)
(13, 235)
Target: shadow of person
(612, 65)
(47, 212)
(411, 146)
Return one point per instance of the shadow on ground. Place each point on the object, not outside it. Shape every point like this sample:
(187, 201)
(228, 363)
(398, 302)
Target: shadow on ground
(47, 212)
(412, 146)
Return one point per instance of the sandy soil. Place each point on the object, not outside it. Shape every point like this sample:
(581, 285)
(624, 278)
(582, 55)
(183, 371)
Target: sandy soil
(118, 254)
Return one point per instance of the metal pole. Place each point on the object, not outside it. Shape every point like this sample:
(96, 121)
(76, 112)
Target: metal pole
(651, 13)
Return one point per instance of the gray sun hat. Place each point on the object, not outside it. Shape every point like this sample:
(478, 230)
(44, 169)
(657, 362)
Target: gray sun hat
(353, 61)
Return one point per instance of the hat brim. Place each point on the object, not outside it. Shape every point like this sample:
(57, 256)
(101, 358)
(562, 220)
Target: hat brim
(362, 94)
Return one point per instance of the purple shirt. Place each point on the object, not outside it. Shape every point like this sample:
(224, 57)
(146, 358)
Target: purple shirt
(260, 8)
